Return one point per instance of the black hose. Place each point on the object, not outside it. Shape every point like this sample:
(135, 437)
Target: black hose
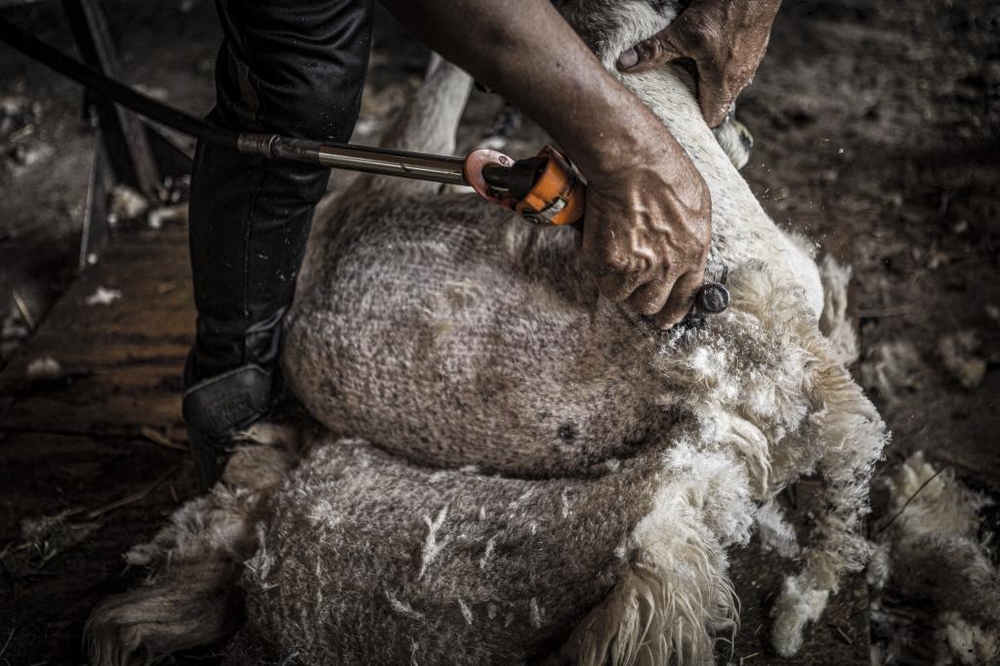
(117, 92)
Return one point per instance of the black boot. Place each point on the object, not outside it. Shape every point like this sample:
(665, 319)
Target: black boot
(218, 409)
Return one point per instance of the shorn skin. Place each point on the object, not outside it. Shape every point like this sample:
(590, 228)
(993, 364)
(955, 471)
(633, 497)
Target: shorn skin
(510, 468)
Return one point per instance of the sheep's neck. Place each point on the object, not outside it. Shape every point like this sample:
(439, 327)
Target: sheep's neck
(734, 204)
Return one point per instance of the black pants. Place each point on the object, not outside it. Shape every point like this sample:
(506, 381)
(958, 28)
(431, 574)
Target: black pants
(294, 67)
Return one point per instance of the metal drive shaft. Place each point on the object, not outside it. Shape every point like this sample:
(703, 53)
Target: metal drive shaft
(401, 163)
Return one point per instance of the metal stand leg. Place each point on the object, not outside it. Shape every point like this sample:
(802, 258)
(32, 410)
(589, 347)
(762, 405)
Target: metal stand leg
(95, 212)
(126, 149)
(124, 135)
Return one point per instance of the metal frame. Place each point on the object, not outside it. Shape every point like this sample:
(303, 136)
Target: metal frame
(127, 150)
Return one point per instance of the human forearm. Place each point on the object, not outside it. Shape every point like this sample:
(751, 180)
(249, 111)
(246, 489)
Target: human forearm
(529, 54)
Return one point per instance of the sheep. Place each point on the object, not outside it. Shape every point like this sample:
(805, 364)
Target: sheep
(506, 466)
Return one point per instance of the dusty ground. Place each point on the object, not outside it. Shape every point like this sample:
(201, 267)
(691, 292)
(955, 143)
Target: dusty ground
(875, 121)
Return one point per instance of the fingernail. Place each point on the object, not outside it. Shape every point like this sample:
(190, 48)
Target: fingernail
(628, 59)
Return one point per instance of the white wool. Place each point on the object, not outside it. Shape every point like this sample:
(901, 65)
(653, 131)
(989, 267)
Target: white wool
(488, 551)
(879, 567)
(796, 607)
(324, 513)
(756, 398)
(523, 499)
(271, 434)
(401, 606)
(893, 368)
(564, 498)
(466, 611)
(536, 613)
(432, 547)
(714, 483)
(258, 568)
(943, 506)
(959, 355)
(775, 532)
(679, 587)
(840, 329)
(960, 642)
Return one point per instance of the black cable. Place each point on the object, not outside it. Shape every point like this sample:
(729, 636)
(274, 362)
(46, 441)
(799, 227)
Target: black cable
(117, 92)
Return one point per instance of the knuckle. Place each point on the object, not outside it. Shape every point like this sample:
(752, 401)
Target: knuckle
(612, 262)
(666, 319)
(647, 306)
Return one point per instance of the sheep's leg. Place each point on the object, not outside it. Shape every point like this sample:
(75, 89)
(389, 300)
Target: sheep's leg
(676, 596)
(195, 604)
(656, 616)
(427, 124)
(735, 139)
(853, 437)
(192, 598)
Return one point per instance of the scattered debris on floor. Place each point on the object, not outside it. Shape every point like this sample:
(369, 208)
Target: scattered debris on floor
(23, 310)
(959, 354)
(893, 369)
(935, 584)
(20, 146)
(45, 537)
(125, 204)
(14, 330)
(157, 437)
(44, 368)
(103, 296)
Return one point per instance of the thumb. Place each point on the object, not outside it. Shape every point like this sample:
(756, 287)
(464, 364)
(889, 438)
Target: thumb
(648, 54)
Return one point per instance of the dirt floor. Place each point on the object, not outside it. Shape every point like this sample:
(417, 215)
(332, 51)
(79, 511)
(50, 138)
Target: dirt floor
(877, 122)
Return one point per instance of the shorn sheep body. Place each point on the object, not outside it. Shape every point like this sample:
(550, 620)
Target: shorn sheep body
(510, 468)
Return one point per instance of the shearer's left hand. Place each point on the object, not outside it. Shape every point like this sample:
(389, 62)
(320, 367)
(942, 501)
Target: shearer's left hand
(726, 39)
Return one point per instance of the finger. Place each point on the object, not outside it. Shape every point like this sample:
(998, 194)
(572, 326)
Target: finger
(714, 96)
(628, 59)
(649, 298)
(618, 287)
(681, 299)
(715, 108)
(617, 271)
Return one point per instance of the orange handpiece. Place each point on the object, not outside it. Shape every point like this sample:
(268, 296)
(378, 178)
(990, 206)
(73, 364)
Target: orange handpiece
(559, 194)
(544, 189)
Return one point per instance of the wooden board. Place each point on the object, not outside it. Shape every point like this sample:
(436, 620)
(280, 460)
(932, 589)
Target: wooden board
(77, 444)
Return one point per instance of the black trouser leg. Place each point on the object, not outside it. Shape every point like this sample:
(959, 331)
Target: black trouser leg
(294, 67)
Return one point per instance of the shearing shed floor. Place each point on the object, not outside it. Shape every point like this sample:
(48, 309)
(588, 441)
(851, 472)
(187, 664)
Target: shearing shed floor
(876, 132)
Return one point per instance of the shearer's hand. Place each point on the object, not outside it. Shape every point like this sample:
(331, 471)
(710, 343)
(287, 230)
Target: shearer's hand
(726, 39)
(648, 223)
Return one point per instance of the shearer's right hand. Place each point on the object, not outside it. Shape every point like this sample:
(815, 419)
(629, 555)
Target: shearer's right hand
(648, 221)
